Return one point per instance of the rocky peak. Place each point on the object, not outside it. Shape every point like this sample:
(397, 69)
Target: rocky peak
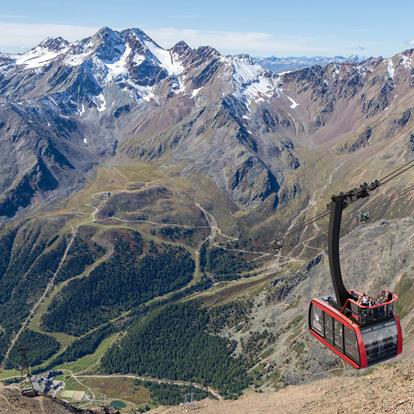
(110, 45)
(54, 44)
(208, 52)
(244, 57)
(138, 34)
(181, 48)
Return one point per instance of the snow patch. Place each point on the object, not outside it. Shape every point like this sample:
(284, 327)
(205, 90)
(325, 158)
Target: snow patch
(85, 140)
(80, 53)
(35, 58)
(405, 62)
(251, 80)
(195, 92)
(101, 103)
(119, 67)
(82, 110)
(294, 104)
(165, 58)
(390, 69)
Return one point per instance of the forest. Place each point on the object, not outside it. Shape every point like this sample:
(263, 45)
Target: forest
(83, 252)
(227, 265)
(129, 278)
(173, 343)
(40, 347)
(85, 345)
(25, 269)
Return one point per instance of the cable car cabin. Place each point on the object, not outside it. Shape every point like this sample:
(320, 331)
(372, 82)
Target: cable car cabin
(360, 335)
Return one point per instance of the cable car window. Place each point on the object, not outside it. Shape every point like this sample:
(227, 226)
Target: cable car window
(351, 344)
(380, 341)
(317, 319)
(329, 328)
(339, 337)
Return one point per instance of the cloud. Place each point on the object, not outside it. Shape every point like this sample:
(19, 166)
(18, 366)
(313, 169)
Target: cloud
(237, 42)
(410, 42)
(18, 36)
(15, 36)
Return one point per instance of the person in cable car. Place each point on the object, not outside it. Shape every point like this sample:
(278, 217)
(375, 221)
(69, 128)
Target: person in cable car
(277, 245)
(363, 216)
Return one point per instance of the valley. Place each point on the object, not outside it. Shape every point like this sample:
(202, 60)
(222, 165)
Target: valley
(143, 189)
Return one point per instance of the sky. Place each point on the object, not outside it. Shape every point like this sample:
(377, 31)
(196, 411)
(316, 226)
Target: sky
(260, 28)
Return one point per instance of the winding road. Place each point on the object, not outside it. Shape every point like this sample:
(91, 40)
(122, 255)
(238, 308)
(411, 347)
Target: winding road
(211, 390)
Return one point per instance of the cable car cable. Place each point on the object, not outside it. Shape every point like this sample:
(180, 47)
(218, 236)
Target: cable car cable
(307, 222)
(402, 169)
(352, 216)
(396, 175)
(398, 169)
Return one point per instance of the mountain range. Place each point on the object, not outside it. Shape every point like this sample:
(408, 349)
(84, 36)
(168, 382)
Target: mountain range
(293, 63)
(140, 188)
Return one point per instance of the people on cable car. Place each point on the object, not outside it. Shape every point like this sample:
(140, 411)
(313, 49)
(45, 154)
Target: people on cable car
(363, 216)
(277, 244)
(364, 300)
(380, 299)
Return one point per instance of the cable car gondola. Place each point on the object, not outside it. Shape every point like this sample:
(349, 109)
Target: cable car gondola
(360, 333)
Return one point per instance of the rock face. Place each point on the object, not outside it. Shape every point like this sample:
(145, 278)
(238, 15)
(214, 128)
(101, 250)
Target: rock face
(67, 106)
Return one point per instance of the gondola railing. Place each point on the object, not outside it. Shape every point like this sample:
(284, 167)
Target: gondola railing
(364, 315)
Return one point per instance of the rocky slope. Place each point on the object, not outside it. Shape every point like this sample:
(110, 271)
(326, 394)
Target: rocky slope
(67, 106)
(123, 161)
(385, 390)
(11, 402)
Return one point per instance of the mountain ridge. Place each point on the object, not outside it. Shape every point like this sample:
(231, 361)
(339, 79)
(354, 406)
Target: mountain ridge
(75, 82)
(191, 162)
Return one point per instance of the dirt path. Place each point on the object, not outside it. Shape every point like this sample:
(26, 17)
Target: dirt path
(212, 225)
(75, 377)
(213, 391)
(215, 230)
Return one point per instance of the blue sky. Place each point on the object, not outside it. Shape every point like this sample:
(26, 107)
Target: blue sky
(281, 28)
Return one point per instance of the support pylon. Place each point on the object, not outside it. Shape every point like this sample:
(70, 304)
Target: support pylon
(26, 386)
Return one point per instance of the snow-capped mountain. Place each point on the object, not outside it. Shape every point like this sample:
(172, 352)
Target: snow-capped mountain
(292, 63)
(65, 106)
(130, 60)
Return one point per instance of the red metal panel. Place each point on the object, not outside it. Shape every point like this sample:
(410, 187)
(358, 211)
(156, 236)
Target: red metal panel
(334, 313)
(400, 336)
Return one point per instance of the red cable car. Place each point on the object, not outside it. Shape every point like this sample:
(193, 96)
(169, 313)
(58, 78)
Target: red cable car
(361, 335)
